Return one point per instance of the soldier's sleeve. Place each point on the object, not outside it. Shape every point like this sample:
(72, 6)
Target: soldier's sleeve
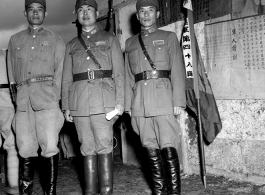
(118, 70)
(58, 66)
(10, 62)
(177, 71)
(67, 77)
(129, 84)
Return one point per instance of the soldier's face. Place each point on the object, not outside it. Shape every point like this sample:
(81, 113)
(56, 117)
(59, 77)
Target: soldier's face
(148, 16)
(35, 14)
(87, 15)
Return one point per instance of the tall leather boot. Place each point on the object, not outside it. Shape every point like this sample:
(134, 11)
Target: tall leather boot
(105, 168)
(27, 169)
(172, 170)
(157, 171)
(50, 174)
(91, 174)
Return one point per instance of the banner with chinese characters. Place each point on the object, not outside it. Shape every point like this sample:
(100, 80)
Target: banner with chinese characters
(186, 46)
(235, 58)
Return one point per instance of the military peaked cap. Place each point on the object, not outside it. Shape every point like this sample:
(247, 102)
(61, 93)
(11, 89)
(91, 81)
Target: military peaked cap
(92, 3)
(42, 2)
(144, 3)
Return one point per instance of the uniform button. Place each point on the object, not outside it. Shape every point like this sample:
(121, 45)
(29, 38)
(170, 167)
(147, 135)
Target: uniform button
(145, 58)
(31, 59)
(145, 83)
(146, 35)
(88, 58)
(32, 47)
(145, 46)
(88, 37)
(34, 36)
(159, 48)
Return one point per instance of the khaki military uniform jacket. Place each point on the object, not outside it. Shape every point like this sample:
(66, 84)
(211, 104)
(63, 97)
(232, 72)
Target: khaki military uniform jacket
(36, 53)
(84, 98)
(5, 98)
(155, 96)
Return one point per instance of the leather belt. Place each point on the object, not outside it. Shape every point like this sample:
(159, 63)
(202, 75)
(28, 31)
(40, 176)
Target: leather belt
(152, 74)
(92, 75)
(34, 80)
(4, 85)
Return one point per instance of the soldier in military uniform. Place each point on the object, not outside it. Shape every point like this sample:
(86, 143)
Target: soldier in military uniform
(35, 64)
(93, 85)
(155, 94)
(6, 118)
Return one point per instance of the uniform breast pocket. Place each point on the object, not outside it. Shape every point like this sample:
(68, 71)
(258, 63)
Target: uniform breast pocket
(104, 48)
(19, 52)
(133, 57)
(164, 93)
(20, 56)
(46, 53)
(102, 54)
(160, 53)
(78, 55)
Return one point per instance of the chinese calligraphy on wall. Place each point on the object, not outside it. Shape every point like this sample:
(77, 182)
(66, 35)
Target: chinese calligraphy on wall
(235, 58)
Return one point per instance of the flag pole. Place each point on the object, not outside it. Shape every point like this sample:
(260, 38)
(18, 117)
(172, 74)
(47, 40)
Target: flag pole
(196, 89)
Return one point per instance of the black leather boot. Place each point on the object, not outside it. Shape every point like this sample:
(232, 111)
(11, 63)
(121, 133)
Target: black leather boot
(91, 175)
(27, 169)
(105, 168)
(51, 173)
(157, 171)
(172, 170)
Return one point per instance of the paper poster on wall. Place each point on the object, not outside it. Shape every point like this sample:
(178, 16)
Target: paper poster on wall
(245, 8)
(235, 58)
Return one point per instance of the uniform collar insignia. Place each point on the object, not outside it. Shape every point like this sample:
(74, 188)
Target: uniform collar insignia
(149, 31)
(36, 30)
(40, 29)
(91, 32)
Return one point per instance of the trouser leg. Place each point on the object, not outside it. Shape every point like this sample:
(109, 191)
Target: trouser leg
(157, 171)
(50, 174)
(105, 169)
(12, 171)
(12, 162)
(90, 174)
(27, 169)
(172, 170)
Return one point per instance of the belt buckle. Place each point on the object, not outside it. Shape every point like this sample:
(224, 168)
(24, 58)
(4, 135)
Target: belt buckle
(146, 75)
(90, 75)
(27, 82)
(154, 74)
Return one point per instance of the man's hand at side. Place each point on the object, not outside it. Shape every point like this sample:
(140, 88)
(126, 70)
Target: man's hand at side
(120, 108)
(68, 116)
(178, 110)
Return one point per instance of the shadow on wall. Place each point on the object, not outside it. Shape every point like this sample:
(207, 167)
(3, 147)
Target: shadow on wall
(135, 25)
